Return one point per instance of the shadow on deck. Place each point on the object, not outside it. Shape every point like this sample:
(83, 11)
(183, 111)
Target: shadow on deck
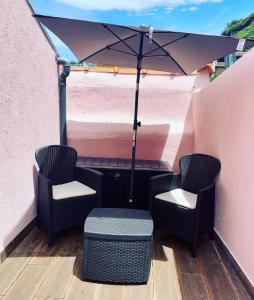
(34, 271)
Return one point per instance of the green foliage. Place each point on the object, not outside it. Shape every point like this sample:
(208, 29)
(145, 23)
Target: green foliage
(242, 28)
(214, 76)
(247, 32)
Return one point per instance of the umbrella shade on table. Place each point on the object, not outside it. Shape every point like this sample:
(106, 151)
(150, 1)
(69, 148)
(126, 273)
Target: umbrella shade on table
(136, 47)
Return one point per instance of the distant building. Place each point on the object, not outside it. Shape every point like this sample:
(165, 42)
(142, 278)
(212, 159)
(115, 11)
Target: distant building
(223, 63)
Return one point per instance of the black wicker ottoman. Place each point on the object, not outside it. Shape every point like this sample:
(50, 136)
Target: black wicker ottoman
(118, 245)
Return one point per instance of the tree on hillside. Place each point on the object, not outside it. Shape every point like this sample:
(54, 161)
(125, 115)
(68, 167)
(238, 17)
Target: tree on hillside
(242, 28)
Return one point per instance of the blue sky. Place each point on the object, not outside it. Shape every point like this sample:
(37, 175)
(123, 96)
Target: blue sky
(199, 16)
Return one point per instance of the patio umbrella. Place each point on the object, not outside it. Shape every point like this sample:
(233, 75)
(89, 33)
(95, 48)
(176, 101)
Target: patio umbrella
(140, 47)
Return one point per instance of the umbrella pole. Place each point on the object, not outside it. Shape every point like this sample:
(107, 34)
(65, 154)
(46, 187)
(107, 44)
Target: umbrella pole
(136, 124)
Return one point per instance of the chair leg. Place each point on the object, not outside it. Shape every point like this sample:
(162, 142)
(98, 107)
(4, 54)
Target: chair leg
(211, 235)
(50, 229)
(194, 246)
(38, 222)
(193, 250)
(50, 239)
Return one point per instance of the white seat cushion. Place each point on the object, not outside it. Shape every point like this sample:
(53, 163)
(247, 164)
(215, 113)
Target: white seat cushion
(71, 189)
(179, 197)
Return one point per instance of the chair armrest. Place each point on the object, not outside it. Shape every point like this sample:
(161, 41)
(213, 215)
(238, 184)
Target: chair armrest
(205, 209)
(205, 194)
(44, 199)
(89, 177)
(162, 183)
(44, 187)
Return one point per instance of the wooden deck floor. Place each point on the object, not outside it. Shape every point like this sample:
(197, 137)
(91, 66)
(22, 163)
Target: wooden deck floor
(34, 271)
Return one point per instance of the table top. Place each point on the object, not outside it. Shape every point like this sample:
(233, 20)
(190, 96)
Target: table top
(123, 164)
(120, 223)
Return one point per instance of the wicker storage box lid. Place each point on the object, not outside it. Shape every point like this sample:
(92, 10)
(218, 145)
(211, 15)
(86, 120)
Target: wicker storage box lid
(119, 223)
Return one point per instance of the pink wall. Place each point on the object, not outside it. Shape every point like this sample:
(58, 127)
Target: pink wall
(100, 111)
(28, 112)
(224, 126)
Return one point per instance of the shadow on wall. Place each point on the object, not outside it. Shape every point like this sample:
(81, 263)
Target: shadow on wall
(114, 139)
(164, 109)
(185, 144)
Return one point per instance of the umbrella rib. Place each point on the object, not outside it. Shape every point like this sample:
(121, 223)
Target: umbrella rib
(156, 55)
(120, 40)
(170, 56)
(106, 47)
(121, 51)
(126, 27)
(169, 43)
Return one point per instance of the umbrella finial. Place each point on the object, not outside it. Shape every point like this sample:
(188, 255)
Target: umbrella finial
(150, 33)
(150, 38)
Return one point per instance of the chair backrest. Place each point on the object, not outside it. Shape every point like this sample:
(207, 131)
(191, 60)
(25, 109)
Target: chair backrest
(57, 162)
(198, 171)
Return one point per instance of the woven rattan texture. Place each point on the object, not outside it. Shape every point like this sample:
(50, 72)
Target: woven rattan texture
(57, 162)
(118, 261)
(119, 222)
(198, 171)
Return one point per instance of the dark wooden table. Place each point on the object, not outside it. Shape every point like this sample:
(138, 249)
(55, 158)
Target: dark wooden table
(117, 178)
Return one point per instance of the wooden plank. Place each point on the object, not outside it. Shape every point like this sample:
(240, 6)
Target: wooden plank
(82, 160)
(140, 292)
(206, 251)
(146, 164)
(216, 279)
(105, 162)
(240, 289)
(46, 255)
(232, 269)
(164, 248)
(49, 276)
(97, 161)
(155, 164)
(164, 166)
(74, 245)
(10, 270)
(128, 163)
(16, 262)
(114, 162)
(185, 262)
(89, 161)
(80, 289)
(138, 164)
(31, 243)
(166, 284)
(58, 280)
(27, 283)
(225, 258)
(193, 287)
(109, 292)
(121, 162)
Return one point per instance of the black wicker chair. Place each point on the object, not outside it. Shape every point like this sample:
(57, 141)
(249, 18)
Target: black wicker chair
(183, 203)
(66, 193)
